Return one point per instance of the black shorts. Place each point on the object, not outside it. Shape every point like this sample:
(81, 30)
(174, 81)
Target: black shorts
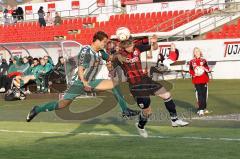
(145, 88)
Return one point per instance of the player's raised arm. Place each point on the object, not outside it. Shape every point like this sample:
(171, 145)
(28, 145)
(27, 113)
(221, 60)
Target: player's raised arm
(154, 44)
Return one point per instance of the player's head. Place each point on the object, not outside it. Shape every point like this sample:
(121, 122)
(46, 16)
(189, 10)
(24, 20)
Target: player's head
(3, 61)
(46, 59)
(61, 60)
(35, 61)
(15, 59)
(197, 52)
(127, 45)
(25, 60)
(42, 61)
(100, 40)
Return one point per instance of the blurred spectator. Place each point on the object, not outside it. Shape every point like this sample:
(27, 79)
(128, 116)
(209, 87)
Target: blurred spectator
(49, 60)
(49, 19)
(13, 65)
(14, 15)
(44, 70)
(58, 19)
(20, 13)
(25, 66)
(30, 60)
(158, 68)
(4, 67)
(60, 66)
(172, 57)
(41, 15)
(5, 15)
(59, 76)
(160, 59)
(5, 83)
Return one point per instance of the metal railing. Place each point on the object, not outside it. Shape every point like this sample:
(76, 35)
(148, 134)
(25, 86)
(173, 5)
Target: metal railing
(200, 26)
(174, 21)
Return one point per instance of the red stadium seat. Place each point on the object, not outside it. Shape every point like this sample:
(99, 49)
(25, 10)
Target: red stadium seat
(154, 15)
(137, 16)
(148, 15)
(142, 15)
(30, 31)
(209, 35)
(225, 28)
(175, 13)
(169, 14)
(164, 14)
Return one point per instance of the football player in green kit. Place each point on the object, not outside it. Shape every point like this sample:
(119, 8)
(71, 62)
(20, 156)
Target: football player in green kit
(89, 60)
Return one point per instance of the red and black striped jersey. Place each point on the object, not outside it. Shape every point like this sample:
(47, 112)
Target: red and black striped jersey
(132, 68)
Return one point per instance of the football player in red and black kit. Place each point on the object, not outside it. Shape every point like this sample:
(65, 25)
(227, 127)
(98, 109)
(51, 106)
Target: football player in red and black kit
(141, 86)
(200, 81)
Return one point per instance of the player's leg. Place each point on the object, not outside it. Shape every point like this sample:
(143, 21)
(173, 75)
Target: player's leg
(113, 85)
(50, 106)
(170, 106)
(19, 81)
(201, 93)
(144, 104)
(206, 98)
(75, 90)
(205, 92)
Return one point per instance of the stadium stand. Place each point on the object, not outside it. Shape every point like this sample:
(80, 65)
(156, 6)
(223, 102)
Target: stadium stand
(226, 31)
(30, 31)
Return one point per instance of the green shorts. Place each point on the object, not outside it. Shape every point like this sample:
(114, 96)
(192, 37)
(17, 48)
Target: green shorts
(77, 89)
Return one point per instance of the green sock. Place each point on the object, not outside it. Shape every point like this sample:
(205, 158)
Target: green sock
(119, 97)
(22, 85)
(47, 107)
(38, 84)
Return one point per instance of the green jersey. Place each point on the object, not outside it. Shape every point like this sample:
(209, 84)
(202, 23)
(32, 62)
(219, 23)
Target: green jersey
(42, 70)
(91, 61)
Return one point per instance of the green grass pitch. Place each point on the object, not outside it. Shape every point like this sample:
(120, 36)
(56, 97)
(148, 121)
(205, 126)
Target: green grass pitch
(108, 136)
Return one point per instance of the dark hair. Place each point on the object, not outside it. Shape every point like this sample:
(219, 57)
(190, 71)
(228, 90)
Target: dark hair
(4, 60)
(100, 35)
(59, 62)
(41, 8)
(35, 59)
(124, 44)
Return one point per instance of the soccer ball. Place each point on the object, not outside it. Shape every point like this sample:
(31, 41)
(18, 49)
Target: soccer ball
(199, 71)
(123, 33)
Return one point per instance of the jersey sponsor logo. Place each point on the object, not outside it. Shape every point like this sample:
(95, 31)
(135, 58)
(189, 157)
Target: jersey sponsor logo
(133, 60)
(194, 64)
(232, 49)
(136, 53)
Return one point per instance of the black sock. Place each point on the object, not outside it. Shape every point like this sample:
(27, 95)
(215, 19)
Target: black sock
(142, 120)
(171, 107)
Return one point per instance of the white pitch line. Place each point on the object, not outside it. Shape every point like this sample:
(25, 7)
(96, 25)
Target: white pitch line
(119, 135)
